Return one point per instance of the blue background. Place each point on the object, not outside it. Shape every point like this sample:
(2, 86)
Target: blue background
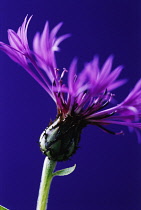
(108, 173)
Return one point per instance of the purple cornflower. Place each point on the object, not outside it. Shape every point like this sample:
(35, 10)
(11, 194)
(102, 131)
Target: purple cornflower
(80, 102)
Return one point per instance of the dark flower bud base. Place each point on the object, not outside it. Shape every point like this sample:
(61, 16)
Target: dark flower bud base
(60, 140)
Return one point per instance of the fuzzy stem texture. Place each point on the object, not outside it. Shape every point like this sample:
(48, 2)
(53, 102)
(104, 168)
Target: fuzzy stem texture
(47, 175)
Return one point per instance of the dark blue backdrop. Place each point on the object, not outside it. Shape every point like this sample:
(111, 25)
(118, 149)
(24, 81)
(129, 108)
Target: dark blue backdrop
(108, 173)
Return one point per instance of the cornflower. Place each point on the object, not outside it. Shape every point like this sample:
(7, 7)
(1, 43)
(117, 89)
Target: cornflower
(82, 101)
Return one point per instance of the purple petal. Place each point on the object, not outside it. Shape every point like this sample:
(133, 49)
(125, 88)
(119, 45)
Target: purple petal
(15, 55)
(36, 43)
(117, 84)
(58, 41)
(44, 42)
(54, 31)
(14, 40)
(106, 67)
(71, 74)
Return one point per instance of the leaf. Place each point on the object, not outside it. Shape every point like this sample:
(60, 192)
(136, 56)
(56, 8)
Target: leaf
(65, 171)
(3, 208)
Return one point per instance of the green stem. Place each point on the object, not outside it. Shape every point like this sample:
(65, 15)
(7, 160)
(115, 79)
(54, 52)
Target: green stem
(48, 168)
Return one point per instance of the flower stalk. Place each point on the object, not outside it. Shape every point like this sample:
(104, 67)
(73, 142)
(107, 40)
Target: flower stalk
(46, 179)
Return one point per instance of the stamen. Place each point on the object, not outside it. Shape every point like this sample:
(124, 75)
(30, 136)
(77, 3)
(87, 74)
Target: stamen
(109, 131)
(103, 117)
(54, 83)
(62, 75)
(56, 69)
(105, 93)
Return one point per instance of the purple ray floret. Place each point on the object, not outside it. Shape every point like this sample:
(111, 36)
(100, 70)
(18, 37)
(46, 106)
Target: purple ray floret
(87, 94)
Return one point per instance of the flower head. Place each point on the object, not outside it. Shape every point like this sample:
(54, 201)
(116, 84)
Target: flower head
(82, 101)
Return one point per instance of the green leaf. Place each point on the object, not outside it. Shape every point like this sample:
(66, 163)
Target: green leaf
(3, 208)
(65, 171)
